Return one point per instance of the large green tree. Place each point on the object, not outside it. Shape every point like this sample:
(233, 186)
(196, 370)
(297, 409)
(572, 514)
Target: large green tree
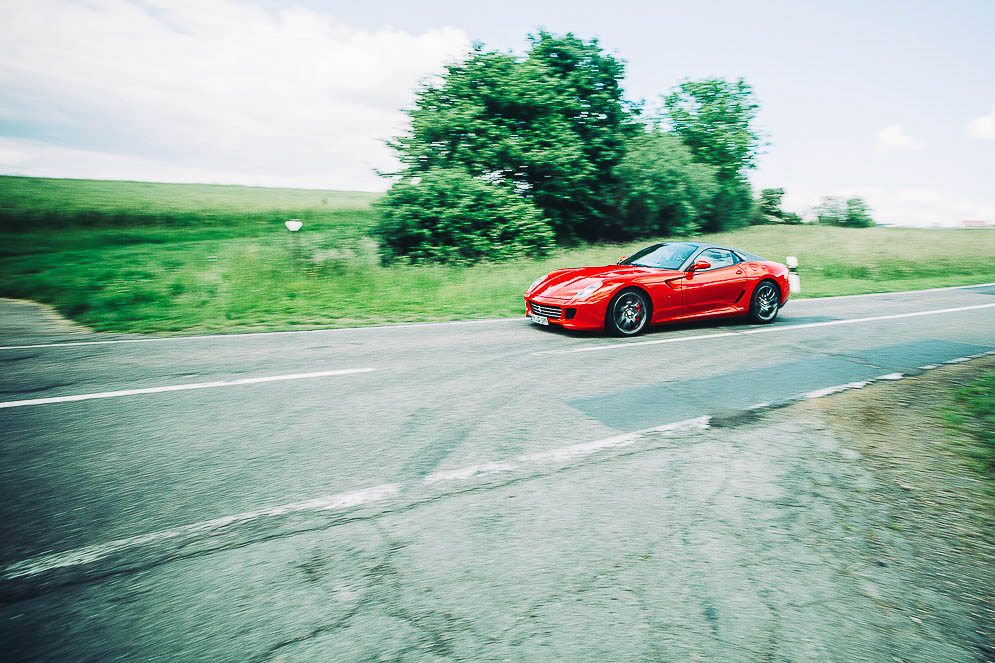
(550, 125)
(662, 190)
(715, 118)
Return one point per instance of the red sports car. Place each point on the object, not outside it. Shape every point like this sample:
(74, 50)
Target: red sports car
(666, 282)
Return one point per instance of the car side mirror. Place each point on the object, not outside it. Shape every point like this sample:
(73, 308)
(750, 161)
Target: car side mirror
(621, 259)
(701, 264)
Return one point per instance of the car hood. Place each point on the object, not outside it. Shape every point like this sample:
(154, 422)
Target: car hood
(564, 284)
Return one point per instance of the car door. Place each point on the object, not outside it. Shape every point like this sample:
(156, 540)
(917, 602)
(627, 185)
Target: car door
(666, 300)
(717, 288)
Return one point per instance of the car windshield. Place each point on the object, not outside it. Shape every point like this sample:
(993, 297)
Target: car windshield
(670, 255)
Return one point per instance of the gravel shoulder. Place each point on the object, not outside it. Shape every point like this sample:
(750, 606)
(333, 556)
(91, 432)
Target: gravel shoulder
(940, 503)
(30, 320)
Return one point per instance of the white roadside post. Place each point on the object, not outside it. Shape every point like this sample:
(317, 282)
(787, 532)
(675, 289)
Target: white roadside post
(293, 225)
(794, 281)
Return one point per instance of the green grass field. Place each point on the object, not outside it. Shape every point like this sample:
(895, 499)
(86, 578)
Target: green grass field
(137, 257)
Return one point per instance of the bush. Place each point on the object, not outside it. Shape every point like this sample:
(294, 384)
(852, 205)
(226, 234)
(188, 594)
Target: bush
(857, 214)
(447, 216)
(852, 213)
(767, 210)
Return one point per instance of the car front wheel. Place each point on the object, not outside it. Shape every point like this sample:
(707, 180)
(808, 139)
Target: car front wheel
(628, 314)
(765, 303)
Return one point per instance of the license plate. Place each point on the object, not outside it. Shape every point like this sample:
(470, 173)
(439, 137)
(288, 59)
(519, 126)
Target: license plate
(539, 319)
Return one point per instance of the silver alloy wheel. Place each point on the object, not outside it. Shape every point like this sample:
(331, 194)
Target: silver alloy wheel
(765, 302)
(629, 313)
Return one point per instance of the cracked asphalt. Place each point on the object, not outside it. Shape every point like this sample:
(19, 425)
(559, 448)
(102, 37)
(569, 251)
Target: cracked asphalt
(768, 540)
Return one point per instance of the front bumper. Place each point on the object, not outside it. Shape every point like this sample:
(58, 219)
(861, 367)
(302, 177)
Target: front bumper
(569, 315)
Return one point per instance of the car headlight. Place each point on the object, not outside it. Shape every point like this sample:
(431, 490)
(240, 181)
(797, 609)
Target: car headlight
(535, 283)
(589, 289)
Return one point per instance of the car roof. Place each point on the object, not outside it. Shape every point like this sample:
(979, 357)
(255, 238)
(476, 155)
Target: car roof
(709, 245)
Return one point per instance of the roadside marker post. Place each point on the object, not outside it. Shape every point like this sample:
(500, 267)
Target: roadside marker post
(293, 225)
(794, 281)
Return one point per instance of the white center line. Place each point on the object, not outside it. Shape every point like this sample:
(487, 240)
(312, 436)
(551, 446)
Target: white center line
(621, 345)
(182, 387)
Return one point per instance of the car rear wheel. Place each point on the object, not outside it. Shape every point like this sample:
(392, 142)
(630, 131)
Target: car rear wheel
(628, 314)
(765, 303)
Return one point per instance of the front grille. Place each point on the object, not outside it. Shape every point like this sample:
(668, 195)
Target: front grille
(553, 312)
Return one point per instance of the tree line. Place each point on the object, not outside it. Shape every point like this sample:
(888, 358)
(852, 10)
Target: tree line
(508, 156)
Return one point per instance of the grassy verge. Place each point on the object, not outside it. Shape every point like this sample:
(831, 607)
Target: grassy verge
(972, 415)
(194, 258)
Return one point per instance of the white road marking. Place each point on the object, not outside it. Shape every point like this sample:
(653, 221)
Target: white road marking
(760, 330)
(182, 387)
(89, 554)
(575, 451)
(565, 454)
(164, 339)
(891, 376)
(827, 391)
(464, 473)
(415, 325)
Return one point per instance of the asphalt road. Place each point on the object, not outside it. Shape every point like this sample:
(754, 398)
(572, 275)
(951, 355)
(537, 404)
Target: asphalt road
(125, 455)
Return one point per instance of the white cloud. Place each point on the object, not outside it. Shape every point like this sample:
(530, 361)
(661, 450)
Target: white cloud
(38, 159)
(894, 139)
(216, 92)
(983, 128)
(10, 156)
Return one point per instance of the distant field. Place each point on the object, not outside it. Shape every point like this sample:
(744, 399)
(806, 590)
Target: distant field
(136, 257)
(43, 194)
(39, 215)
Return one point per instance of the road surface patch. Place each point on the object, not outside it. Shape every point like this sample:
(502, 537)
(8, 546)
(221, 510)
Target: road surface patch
(657, 404)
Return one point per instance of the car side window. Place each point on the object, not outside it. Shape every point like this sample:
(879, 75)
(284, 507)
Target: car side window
(719, 258)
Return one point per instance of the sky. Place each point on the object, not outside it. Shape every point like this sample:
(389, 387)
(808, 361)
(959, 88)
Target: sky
(893, 101)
